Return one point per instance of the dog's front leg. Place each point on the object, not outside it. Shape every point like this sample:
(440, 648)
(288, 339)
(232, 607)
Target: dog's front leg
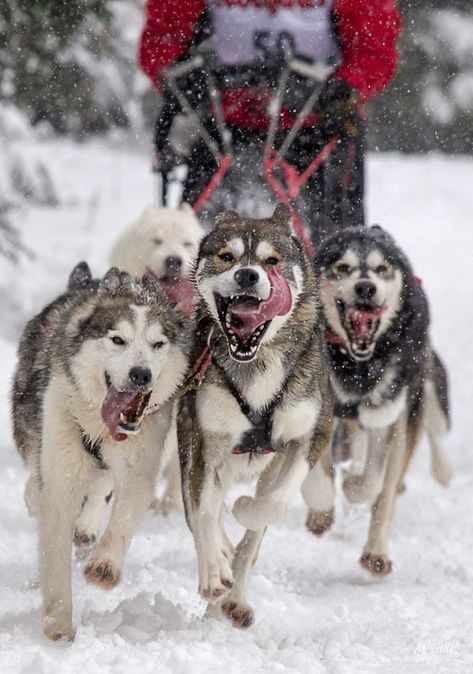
(133, 487)
(375, 557)
(364, 488)
(87, 526)
(318, 490)
(280, 482)
(215, 575)
(64, 474)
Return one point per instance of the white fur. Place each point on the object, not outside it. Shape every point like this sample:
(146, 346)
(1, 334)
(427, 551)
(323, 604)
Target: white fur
(264, 249)
(296, 421)
(385, 415)
(318, 489)
(178, 230)
(436, 427)
(218, 412)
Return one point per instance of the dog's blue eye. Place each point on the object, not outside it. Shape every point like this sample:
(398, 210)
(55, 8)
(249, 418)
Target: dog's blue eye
(226, 257)
(118, 341)
(158, 345)
(272, 260)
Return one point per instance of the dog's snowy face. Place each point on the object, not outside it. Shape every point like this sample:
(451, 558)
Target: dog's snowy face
(250, 273)
(164, 241)
(361, 274)
(131, 347)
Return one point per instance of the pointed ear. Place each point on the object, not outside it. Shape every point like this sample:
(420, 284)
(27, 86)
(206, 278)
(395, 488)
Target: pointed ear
(227, 218)
(80, 276)
(114, 281)
(187, 208)
(282, 217)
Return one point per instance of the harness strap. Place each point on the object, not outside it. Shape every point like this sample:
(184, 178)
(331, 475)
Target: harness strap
(257, 440)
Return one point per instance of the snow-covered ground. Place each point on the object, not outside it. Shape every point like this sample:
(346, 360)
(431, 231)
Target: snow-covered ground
(317, 611)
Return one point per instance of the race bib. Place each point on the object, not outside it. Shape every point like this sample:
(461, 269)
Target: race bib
(249, 31)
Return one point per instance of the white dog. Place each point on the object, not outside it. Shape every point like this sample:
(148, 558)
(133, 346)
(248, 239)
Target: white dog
(164, 241)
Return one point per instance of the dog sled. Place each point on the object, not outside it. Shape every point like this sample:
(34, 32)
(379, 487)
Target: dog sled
(219, 166)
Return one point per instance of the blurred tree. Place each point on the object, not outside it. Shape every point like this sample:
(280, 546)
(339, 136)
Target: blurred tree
(430, 103)
(53, 54)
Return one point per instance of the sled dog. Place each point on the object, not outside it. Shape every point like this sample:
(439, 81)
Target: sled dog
(388, 382)
(263, 407)
(92, 366)
(164, 241)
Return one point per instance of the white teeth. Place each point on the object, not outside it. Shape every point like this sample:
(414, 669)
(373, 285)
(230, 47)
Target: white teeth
(123, 417)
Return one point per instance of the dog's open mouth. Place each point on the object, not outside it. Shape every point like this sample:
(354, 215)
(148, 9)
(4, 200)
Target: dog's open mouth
(123, 411)
(179, 290)
(361, 323)
(245, 318)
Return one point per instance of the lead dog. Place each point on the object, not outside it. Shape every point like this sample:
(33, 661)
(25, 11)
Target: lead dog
(387, 380)
(91, 366)
(264, 406)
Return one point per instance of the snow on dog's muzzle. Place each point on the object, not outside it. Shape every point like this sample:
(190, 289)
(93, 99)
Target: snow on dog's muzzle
(245, 317)
(122, 411)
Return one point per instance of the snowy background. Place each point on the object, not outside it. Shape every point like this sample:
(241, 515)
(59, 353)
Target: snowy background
(68, 71)
(317, 611)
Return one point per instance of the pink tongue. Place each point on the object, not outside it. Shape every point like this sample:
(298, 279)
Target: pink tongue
(180, 291)
(252, 314)
(362, 322)
(114, 403)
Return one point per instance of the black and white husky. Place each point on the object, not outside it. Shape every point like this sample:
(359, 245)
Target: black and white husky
(92, 367)
(388, 382)
(263, 407)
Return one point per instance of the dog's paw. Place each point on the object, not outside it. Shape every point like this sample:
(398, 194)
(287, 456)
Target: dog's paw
(57, 625)
(354, 489)
(378, 565)
(241, 615)
(256, 513)
(215, 578)
(165, 505)
(442, 469)
(102, 573)
(84, 539)
(319, 522)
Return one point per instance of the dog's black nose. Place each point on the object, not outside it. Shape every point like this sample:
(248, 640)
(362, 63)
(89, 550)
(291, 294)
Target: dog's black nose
(173, 262)
(140, 376)
(365, 290)
(246, 277)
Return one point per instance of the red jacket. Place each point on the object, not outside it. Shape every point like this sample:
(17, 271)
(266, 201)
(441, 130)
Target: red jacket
(367, 32)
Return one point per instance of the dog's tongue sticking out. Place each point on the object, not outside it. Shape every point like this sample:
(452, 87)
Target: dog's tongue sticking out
(180, 291)
(252, 313)
(114, 404)
(362, 323)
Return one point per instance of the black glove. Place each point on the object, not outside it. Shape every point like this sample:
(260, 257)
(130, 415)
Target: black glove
(338, 107)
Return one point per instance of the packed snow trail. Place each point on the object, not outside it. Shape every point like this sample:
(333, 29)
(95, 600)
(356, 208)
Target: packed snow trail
(317, 611)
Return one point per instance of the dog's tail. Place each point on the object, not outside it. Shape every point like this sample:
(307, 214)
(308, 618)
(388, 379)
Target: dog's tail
(437, 418)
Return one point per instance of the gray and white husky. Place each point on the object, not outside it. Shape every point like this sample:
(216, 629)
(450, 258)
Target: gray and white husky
(92, 367)
(263, 407)
(388, 382)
